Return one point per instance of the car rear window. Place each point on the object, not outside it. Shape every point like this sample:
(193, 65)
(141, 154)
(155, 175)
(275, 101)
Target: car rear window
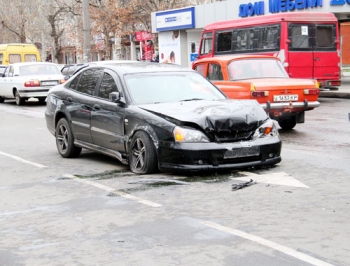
(39, 70)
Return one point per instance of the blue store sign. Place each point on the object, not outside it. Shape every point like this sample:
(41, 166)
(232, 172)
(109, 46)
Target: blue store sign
(339, 2)
(175, 19)
(276, 6)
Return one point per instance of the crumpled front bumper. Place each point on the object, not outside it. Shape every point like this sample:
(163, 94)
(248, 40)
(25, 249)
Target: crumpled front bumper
(213, 156)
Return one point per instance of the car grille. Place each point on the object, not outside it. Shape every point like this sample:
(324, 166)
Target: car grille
(231, 136)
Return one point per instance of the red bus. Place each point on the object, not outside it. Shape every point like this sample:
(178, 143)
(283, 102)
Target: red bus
(307, 43)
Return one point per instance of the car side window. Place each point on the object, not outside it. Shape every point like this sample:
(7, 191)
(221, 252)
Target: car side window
(6, 73)
(73, 84)
(214, 72)
(64, 70)
(200, 68)
(10, 71)
(88, 81)
(107, 86)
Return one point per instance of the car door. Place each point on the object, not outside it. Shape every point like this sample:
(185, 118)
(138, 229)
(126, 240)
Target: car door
(6, 83)
(107, 117)
(326, 57)
(301, 57)
(80, 100)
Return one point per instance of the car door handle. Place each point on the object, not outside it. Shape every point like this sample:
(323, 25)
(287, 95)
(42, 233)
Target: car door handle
(86, 107)
(317, 59)
(96, 107)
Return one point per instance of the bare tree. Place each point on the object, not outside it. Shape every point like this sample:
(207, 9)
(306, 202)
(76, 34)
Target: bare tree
(58, 13)
(15, 18)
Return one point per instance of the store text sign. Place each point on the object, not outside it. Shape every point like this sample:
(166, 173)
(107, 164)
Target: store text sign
(276, 6)
(339, 2)
(175, 19)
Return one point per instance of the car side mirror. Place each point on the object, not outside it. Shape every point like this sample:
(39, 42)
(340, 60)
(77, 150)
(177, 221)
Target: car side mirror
(114, 96)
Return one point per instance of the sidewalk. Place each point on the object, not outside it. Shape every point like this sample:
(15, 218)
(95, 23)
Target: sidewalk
(343, 92)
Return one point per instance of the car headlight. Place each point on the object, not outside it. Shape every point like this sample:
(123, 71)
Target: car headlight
(268, 129)
(189, 135)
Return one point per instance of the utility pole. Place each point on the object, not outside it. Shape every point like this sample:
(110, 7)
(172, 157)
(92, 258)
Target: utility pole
(86, 31)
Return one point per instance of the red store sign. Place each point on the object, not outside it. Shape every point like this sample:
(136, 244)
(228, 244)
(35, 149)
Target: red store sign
(144, 35)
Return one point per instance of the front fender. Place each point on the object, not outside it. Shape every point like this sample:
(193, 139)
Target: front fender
(146, 128)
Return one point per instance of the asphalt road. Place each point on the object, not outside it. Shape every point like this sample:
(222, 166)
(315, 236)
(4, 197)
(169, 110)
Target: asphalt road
(93, 211)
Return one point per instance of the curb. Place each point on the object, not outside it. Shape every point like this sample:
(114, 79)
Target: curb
(331, 94)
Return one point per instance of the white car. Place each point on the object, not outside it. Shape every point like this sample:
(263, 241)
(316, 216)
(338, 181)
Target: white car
(22, 81)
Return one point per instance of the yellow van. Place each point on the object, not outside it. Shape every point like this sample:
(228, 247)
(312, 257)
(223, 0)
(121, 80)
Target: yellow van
(18, 52)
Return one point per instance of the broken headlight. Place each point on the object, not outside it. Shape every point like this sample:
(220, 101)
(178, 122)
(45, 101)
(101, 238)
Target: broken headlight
(189, 135)
(268, 129)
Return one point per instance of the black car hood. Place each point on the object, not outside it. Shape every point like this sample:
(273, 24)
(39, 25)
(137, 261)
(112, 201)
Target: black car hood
(220, 115)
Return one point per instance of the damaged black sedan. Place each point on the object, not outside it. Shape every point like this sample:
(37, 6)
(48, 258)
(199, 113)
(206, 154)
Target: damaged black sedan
(159, 117)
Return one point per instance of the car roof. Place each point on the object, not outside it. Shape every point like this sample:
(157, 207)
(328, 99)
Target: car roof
(225, 58)
(32, 63)
(101, 62)
(112, 62)
(80, 66)
(144, 67)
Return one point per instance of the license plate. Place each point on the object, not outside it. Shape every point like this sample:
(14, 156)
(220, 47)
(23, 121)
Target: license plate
(242, 152)
(48, 83)
(285, 98)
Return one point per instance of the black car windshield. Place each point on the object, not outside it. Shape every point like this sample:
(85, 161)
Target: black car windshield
(256, 68)
(163, 87)
(39, 69)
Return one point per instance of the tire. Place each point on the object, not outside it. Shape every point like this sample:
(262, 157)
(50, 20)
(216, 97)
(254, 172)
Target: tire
(19, 99)
(142, 155)
(65, 140)
(2, 99)
(288, 123)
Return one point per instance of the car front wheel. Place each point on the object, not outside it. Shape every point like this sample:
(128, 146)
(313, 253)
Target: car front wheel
(142, 156)
(65, 140)
(19, 99)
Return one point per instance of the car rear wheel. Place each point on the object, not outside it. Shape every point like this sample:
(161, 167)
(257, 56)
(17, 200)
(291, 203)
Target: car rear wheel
(19, 99)
(142, 156)
(65, 140)
(288, 123)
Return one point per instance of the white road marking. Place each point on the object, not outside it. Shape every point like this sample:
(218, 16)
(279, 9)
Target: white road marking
(114, 191)
(21, 212)
(280, 178)
(22, 160)
(24, 111)
(268, 243)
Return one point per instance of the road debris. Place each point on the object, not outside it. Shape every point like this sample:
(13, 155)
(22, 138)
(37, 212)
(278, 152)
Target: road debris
(158, 181)
(243, 185)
